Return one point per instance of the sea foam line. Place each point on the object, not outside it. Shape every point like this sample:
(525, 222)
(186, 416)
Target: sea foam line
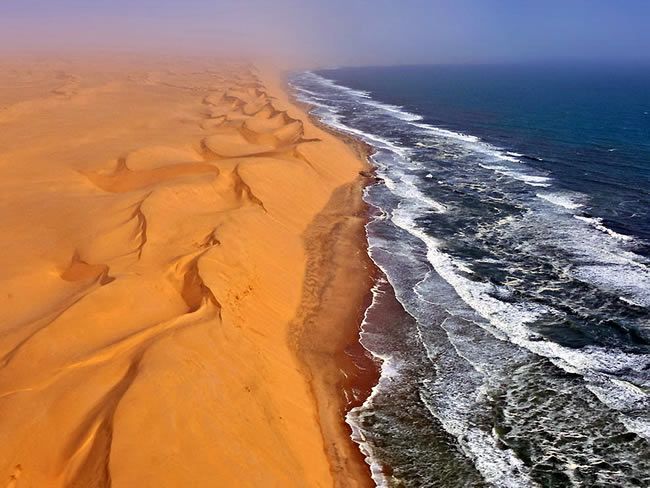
(595, 365)
(388, 370)
(483, 303)
(564, 201)
(597, 223)
(413, 119)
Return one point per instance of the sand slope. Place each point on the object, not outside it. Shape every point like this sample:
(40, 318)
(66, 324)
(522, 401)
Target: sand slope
(151, 227)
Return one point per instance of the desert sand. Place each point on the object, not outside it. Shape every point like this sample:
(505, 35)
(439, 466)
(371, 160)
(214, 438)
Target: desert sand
(182, 266)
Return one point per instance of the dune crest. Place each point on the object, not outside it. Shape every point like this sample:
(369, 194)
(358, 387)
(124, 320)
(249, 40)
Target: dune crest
(153, 222)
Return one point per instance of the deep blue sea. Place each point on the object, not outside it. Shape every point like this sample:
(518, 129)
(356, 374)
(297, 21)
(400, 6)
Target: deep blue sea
(511, 316)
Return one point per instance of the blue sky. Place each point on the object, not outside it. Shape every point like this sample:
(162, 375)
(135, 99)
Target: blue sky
(337, 32)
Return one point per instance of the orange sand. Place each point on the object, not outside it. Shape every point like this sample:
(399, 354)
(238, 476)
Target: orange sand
(156, 222)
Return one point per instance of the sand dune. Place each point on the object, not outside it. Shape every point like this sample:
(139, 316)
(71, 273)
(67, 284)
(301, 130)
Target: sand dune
(154, 223)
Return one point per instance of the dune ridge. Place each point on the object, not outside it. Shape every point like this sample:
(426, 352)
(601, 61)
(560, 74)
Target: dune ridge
(157, 222)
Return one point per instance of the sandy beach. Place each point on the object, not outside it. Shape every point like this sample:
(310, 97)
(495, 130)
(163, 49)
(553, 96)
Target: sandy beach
(182, 276)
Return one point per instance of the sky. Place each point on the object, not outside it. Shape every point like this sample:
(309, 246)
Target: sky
(338, 32)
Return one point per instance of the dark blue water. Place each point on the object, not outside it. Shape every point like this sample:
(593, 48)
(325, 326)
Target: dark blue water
(590, 124)
(512, 229)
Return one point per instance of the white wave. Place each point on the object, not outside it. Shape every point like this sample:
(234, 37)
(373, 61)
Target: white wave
(312, 101)
(629, 281)
(330, 83)
(506, 157)
(357, 436)
(493, 167)
(352, 418)
(398, 111)
(622, 395)
(597, 223)
(333, 119)
(388, 371)
(532, 180)
(561, 200)
(488, 456)
(481, 447)
(464, 267)
(597, 365)
(447, 133)
(477, 295)
(304, 90)
(476, 143)
(394, 110)
(541, 185)
(408, 189)
(630, 302)
(638, 426)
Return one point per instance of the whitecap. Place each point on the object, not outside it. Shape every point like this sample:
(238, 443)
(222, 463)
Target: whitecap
(528, 179)
(597, 223)
(407, 188)
(505, 320)
(532, 180)
(447, 133)
(395, 110)
(330, 83)
(561, 200)
(598, 366)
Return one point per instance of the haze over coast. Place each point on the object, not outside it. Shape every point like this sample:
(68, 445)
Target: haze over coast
(186, 205)
(297, 34)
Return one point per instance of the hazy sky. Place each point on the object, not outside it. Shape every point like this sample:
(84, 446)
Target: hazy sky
(338, 32)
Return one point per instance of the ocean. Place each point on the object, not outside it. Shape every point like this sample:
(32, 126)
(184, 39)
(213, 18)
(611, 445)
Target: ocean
(511, 228)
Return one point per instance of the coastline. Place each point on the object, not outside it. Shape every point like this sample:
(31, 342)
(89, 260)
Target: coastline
(478, 323)
(167, 242)
(337, 291)
(326, 331)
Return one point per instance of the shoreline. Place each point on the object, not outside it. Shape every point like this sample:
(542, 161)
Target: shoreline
(326, 336)
(354, 373)
(332, 329)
